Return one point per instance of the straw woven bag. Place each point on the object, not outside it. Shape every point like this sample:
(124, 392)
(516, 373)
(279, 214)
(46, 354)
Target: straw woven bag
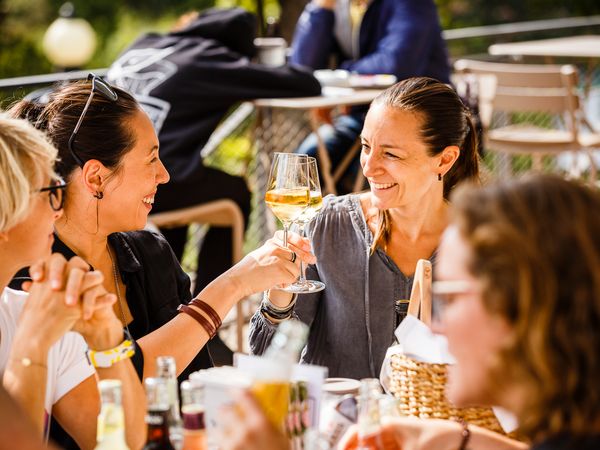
(420, 386)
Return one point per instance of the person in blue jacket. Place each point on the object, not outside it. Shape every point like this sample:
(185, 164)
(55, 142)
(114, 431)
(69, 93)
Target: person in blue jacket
(398, 37)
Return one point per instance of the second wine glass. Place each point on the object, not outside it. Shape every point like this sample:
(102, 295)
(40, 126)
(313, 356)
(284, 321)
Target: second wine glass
(315, 203)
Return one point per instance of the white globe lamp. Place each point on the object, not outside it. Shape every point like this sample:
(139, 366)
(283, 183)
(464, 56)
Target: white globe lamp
(69, 42)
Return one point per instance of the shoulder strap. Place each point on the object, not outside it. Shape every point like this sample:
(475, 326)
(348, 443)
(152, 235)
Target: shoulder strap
(420, 295)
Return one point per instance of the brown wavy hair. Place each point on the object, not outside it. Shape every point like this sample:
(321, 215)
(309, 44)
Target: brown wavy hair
(445, 121)
(535, 246)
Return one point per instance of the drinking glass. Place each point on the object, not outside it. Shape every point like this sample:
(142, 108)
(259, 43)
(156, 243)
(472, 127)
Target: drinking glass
(288, 191)
(315, 204)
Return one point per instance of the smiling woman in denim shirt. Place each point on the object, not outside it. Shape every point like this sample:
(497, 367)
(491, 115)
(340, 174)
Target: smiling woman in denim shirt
(418, 143)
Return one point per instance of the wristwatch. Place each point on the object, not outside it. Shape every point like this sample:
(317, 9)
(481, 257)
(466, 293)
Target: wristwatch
(106, 358)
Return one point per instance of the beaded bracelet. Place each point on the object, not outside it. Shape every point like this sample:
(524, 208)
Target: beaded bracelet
(275, 312)
(209, 310)
(203, 321)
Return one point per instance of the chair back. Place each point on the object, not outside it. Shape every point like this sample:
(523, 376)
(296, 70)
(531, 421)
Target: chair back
(532, 117)
(526, 88)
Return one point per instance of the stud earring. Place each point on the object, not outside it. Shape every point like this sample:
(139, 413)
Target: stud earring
(439, 177)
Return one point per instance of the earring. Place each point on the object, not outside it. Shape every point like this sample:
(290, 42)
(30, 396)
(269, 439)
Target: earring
(439, 177)
(99, 195)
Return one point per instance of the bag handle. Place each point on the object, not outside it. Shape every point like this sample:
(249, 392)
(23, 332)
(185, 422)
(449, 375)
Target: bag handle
(419, 304)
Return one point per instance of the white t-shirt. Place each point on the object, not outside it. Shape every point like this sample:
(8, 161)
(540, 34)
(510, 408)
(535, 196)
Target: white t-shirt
(67, 363)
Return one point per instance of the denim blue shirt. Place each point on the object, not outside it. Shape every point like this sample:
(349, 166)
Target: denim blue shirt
(352, 321)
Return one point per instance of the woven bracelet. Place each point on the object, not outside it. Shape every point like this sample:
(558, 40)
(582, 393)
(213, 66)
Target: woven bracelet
(209, 310)
(203, 321)
(265, 310)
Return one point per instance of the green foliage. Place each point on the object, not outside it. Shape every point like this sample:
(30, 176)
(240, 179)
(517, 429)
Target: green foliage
(469, 13)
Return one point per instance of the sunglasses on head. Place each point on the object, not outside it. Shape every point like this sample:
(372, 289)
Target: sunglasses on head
(98, 86)
(56, 194)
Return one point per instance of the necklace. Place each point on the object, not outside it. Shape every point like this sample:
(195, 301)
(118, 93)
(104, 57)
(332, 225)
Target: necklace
(121, 309)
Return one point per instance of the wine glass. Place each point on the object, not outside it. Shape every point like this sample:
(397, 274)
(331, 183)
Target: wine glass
(288, 191)
(315, 204)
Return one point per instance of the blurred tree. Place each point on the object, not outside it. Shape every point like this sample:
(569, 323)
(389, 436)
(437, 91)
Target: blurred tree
(23, 22)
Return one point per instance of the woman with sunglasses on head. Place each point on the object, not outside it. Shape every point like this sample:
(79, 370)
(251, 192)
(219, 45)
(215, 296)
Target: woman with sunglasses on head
(44, 366)
(518, 284)
(418, 143)
(109, 157)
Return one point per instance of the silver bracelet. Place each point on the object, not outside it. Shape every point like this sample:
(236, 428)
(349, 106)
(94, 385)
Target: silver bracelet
(266, 303)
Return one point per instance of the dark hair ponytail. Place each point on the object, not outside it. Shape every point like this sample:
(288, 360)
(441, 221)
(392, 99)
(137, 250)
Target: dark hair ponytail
(466, 166)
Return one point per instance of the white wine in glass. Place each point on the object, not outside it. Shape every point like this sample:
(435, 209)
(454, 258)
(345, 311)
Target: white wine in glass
(315, 203)
(287, 204)
(288, 191)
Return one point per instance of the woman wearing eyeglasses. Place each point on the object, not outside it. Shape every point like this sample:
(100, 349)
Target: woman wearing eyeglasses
(519, 270)
(109, 157)
(44, 366)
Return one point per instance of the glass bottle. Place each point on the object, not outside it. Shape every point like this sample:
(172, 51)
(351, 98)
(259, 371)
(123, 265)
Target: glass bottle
(271, 386)
(157, 397)
(192, 396)
(111, 421)
(166, 369)
(369, 422)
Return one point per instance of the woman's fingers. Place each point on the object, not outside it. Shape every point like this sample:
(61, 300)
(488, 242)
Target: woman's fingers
(94, 299)
(37, 271)
(297, 244)
(55, 269)
(92, 279)
(73, 287)
(294, 239)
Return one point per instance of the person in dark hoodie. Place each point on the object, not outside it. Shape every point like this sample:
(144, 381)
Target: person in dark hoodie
(187, 80)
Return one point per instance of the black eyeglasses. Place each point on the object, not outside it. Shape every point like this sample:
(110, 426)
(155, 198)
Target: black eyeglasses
(102, 87)
(56, 194)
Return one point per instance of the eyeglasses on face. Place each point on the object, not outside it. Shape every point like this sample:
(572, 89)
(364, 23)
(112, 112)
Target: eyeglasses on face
(56, 194)
(443, 293)
(98, 86)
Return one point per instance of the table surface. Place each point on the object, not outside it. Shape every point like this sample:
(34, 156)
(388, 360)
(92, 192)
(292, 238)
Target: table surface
(331, 97)
(573, 46)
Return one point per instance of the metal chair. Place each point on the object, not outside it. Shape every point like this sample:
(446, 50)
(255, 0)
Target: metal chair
(222, 213)
(526, 96)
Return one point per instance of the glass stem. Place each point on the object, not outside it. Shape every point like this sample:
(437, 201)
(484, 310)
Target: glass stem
(302, 279)
(286, 227)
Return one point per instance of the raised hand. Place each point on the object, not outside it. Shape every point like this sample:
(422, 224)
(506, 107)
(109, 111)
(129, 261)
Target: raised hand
(270, 265)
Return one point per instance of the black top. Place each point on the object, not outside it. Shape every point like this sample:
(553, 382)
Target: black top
(155, 284)
(188, 80)
(566, 442)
